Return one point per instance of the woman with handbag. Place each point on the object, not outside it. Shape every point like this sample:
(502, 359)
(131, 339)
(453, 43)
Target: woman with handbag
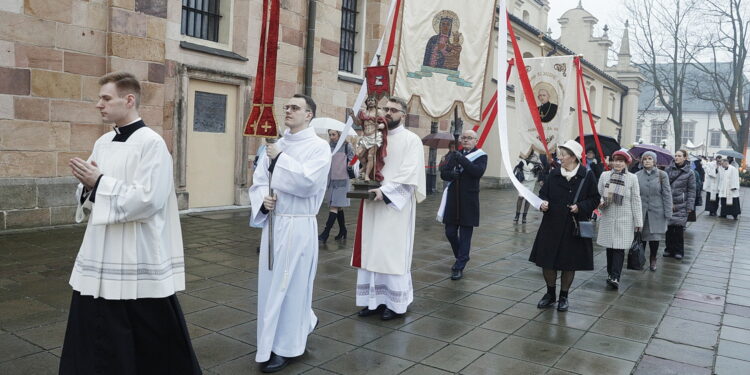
(563, 242)
(682, 181)
(338, 186)
(656, 203)
(621, 215)
(527, 171)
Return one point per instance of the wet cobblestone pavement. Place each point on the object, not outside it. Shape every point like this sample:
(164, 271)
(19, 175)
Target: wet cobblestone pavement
(689, 317)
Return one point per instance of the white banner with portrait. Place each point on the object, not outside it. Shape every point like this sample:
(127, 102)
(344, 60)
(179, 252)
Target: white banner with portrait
(443, 54)
(553, 80)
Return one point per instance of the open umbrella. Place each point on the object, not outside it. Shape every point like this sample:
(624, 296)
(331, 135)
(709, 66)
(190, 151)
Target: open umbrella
(731, 153)
(438, 140)
(323, 124)
(609, 144)
(663, 157)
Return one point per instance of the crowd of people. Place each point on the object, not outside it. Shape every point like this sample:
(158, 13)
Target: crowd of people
(125, 316)
(633, 198)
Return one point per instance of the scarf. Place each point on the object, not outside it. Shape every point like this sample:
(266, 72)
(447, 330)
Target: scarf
(474, 155)
(569, 174)
(614, 190)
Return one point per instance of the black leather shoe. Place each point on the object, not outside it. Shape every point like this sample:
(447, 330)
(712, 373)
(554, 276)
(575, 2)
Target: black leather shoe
(563, 304)
(276, 363)
(389, 314)
(457, 274)
(614, 283)
(367, 312)
(547, 301)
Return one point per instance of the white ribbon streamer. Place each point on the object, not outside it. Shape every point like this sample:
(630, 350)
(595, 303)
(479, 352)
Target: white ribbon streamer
(502, 118)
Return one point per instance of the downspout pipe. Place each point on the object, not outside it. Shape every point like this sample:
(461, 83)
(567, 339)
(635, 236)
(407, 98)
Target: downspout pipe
(622, 105)
(310, 45)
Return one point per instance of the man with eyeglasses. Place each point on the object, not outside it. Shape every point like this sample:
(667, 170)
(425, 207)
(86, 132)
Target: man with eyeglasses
(459, 207)
(296, 169)
(384, 241)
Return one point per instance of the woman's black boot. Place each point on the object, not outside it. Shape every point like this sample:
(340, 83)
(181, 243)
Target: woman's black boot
(342, 226)
(329, 224)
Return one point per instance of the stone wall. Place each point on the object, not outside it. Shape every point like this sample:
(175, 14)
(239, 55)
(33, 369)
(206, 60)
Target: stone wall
(52, 53)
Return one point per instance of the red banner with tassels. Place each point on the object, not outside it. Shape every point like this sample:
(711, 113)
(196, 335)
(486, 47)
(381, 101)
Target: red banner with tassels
(262, 121)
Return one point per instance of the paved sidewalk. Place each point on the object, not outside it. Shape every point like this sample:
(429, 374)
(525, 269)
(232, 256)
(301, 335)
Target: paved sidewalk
(690, 317)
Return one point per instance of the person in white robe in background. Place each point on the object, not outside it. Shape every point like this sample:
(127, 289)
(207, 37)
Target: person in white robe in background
(299, 164)
(729, 190)
(124, 315)
(385, 235)
(711, 185)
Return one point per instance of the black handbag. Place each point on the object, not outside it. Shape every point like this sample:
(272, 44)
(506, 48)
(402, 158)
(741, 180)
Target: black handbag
(518, 172)
(582, 228)
(637, 253)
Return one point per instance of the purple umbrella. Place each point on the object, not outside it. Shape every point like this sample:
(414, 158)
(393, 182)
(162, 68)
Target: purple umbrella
(663, 156)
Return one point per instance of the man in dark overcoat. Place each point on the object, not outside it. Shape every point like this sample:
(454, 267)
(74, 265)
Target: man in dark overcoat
(459, 209)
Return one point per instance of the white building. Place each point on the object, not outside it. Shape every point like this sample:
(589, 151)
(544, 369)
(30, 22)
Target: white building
(700, 122)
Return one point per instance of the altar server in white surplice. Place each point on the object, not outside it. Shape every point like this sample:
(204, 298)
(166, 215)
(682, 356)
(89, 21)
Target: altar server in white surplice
(385, 233)
(297, 167)
(124, 315)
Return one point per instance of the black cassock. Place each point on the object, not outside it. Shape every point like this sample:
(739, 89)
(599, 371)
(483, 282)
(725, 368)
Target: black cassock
(127, 337)
(547, 111)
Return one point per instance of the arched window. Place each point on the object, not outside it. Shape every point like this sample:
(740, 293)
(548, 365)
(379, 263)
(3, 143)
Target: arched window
(527, 55)
(525, 16)
(592, 98)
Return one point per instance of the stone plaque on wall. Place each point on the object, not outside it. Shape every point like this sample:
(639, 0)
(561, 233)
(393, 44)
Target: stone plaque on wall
(210, 112)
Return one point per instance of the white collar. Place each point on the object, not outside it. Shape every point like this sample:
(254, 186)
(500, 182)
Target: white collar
(399, 129)
(300, 135)
(568, 175)
(117, 128)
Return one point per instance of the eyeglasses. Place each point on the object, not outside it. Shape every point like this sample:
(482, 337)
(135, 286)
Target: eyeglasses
(391, 109)
(293, 108)
(467, 138)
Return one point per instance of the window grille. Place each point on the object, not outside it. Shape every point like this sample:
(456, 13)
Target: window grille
(201, 18)
(348, 35)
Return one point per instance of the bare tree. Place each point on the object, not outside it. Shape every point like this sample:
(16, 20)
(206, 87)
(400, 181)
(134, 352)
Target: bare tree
(666, 39)
(725, 84)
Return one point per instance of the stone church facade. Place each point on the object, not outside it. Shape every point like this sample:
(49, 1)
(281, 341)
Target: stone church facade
(53, 51)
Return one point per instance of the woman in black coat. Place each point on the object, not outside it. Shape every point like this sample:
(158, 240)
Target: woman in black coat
(463, 169)
(556, 247)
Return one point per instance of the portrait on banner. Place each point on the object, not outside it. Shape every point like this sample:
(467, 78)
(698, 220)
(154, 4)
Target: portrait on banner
(441, 60)
(553, 83)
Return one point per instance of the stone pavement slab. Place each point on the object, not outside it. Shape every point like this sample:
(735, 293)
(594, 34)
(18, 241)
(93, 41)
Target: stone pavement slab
(689, 317)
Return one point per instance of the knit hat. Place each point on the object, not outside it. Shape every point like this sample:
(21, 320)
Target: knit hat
(574, 147)
(623, 153)
(648, 153)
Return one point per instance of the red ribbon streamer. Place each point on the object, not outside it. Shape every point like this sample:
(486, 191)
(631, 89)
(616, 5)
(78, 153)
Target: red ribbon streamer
(492, 106)
(526, 85)
(392, 37)
(591, 118)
